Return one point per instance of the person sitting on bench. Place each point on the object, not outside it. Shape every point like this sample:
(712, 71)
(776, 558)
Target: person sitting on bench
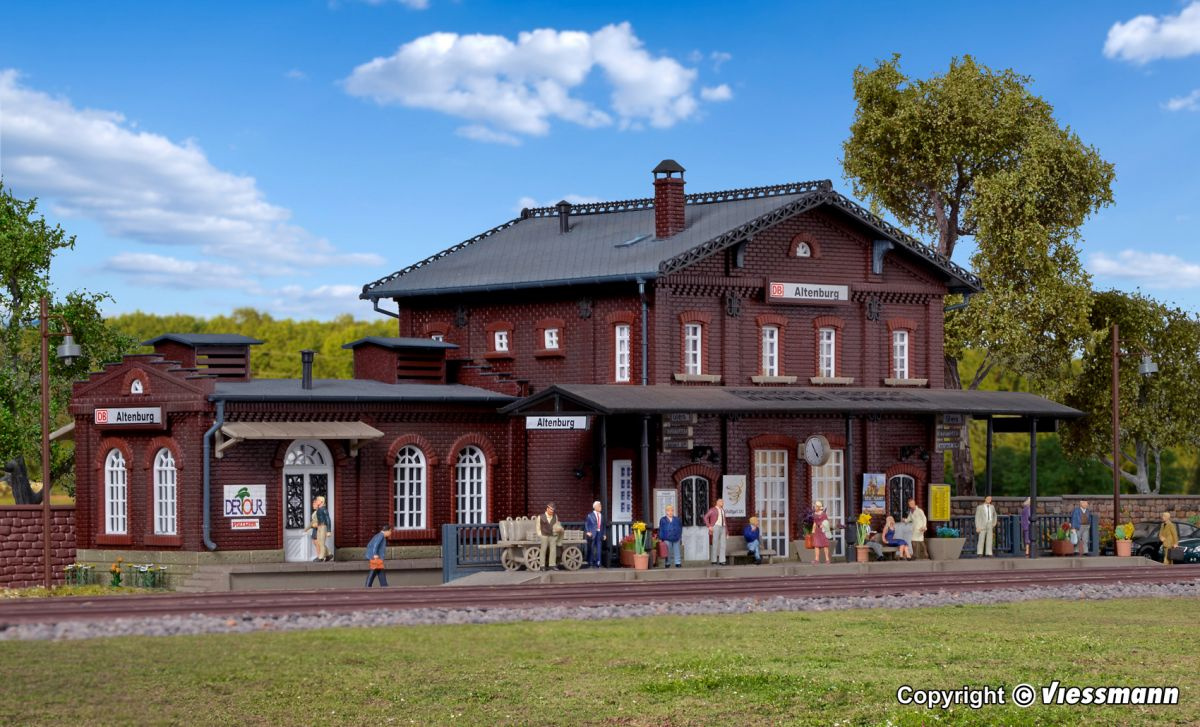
(751, 533)
(889, 538)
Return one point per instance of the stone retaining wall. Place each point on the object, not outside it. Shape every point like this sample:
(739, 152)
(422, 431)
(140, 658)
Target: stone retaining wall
(1133, 507)
(22, 550)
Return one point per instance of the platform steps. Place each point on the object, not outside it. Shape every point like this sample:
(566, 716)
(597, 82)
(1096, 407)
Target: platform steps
(206, 579)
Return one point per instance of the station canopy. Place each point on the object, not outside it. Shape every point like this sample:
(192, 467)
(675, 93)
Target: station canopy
(356, 433)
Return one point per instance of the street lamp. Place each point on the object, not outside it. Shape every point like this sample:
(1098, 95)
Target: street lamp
(1146, 368)
(67, 352)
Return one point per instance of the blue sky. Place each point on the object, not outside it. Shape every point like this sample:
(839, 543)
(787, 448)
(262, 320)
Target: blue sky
(282, 154)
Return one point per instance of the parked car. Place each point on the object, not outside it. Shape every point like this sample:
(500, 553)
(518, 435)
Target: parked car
(1145, 537)
(1188, 551)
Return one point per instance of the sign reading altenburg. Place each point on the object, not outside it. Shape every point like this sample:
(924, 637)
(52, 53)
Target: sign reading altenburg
(808, 293)
(133, 416)
(553, 422)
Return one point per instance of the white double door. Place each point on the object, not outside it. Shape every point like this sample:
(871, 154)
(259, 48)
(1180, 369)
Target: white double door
(307, 475)
(828, 487)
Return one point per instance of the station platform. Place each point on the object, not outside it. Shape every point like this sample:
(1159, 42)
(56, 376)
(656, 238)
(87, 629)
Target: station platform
(701, 571)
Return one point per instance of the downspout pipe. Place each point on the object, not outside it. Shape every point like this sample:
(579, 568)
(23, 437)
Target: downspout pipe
(383, 311)
(208, 437)
(645, 332)
(647, 513)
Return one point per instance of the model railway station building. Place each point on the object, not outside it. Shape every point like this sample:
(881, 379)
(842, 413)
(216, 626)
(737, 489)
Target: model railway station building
(769, 345)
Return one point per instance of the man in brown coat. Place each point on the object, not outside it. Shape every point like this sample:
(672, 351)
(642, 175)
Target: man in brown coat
(549, 531)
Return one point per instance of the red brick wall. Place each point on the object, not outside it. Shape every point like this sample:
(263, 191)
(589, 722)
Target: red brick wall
(375, 363)
(22, 549)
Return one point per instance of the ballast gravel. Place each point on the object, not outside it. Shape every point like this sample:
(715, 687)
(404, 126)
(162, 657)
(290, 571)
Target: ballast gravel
(200, 624)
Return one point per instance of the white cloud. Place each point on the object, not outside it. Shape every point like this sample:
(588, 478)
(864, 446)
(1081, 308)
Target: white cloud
(720, 58)
(530, 202)
(716, 93)
(508, 88)
(1146, 38)
(296, 74)
(1151, 268)
(323, 301)
(411, 4)
(161, 271)
(1190, 102)
(141, 186)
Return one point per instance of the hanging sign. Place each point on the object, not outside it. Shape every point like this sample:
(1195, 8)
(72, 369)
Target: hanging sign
(245, 501)
(553, 422)
(807, 293)
(951, 432)
(733, 491)
(133, 416)
(939, 503)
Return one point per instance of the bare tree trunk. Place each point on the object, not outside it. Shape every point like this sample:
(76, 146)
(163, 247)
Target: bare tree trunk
(964, 465)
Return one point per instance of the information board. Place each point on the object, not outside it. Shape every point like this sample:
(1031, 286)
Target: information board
(939, 503)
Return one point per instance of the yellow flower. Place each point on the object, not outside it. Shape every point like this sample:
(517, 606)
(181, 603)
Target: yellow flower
(864, 519)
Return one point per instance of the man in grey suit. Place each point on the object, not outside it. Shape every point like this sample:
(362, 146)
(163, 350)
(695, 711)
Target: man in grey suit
(985, 526)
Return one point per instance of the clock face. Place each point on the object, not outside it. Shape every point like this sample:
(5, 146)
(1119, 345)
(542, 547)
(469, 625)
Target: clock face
(816, 450)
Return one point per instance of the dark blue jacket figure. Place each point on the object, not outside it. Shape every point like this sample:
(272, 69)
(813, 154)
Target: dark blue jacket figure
(670, 530)
(377, 548)
(751, 533)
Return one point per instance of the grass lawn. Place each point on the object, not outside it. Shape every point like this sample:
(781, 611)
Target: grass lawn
(795, 668)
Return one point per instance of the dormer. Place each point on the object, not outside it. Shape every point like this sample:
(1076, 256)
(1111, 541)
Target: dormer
(220, 355)
(400, 360)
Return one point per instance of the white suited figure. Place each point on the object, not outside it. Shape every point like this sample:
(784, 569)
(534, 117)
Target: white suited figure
(985, 526)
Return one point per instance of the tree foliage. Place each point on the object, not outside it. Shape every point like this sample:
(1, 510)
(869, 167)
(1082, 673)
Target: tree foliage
(1157, 411)
(27, 248)
(973, 153)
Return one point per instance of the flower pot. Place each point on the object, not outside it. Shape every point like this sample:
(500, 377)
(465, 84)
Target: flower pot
(641, 561)
(945, 548)
(863, 553)
(808, 542)
(626, 558)
(1062, 547)
(1124, 548)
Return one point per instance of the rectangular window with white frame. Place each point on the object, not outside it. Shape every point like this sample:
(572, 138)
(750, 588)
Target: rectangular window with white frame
(500, 341)
(900, 354)
(550, 339)
(693, 348)
(622, 491)
(770, 350)
(622, 346)
(827, 363)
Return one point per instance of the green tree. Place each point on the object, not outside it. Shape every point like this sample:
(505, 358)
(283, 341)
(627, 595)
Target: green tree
(1157, 411)
(27, 248)
(973, 153)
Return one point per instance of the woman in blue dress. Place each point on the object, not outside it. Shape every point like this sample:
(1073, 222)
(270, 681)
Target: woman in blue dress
(903, 549)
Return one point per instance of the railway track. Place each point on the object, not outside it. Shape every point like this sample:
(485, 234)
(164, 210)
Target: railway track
(277, 603)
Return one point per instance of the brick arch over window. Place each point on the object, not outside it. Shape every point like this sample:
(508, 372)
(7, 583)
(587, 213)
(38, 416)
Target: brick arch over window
(813, 247)
(135, 375)
(711, 474)
(472, 438)
(913, 471)
(107, 445)
(412, 440)
(901, 324)
(157, 444)
(432, 327)
(773, 441)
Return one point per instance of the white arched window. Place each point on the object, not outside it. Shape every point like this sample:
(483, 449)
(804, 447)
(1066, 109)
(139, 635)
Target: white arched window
(410, 489)
(116, 494)
(470, 479)
(165, 493)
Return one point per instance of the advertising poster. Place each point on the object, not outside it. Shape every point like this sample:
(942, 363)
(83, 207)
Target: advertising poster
(733, 488)
(874, 493)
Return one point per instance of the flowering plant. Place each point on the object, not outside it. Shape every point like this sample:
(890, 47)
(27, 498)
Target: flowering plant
(1063, 532)
(146, 575)
(945, 532)
(627, 542)
(115, 570)
(807, 521)
(78, 574)
(864, 528)
(638, 530)
(1124, 532)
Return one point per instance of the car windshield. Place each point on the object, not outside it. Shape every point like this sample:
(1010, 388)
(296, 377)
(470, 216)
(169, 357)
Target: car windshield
(1186, 530)
(1146, 530)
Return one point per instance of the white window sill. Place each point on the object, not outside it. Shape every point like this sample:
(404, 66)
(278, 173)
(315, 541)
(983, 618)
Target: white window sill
(773, 379)
(698, 378)
(906, 382)
(831, 380)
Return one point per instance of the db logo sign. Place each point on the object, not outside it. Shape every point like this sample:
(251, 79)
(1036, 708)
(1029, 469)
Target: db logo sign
(776, 290)
(102, 416)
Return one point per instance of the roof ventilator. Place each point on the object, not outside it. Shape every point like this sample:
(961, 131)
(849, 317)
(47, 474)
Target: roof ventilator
(564, 216)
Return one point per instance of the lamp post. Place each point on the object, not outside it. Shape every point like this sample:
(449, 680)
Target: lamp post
(1145, 368)
(67, 352)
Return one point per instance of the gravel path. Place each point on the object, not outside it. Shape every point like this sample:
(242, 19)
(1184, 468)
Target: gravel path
(197, 624)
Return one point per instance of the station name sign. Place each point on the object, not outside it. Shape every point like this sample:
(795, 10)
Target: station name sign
(130, 416)
(563, 423)
(808, 293)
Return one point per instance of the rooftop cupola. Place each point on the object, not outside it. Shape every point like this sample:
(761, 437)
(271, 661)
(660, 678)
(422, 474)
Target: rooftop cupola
(225, 356)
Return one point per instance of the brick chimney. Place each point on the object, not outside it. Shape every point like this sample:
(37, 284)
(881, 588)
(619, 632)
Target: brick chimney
(668, 198)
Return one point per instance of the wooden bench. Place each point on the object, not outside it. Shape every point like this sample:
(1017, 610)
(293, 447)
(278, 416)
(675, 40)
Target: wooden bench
(520, 545)
(889, 553)
(735, 547)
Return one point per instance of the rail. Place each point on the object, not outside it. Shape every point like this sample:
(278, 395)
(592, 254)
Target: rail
(465, 551)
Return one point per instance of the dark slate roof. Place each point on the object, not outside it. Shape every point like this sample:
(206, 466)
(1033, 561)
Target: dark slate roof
(353, 390)
(205, 339)
(614, 242)
(399, 344)
(663, 399)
